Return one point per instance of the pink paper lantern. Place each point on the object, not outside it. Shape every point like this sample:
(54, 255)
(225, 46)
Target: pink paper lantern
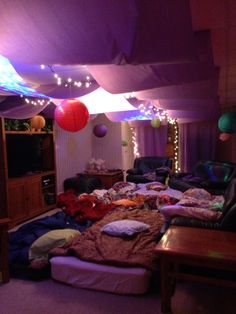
(224, 137)
(71, 115)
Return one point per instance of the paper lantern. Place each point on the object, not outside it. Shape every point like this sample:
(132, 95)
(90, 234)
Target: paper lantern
(71, 115)
(224, 137)
(227, 122)
(124, 143)
(37, 122)
(100, 130)
(156, 123)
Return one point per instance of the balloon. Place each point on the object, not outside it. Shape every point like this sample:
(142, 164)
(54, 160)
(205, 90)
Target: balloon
(227, 122)
(155, 123)
(71, 115)
(224, 137)
(100, 130)
(37, 122)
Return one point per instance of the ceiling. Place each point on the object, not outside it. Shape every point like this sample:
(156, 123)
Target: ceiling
(178, 55)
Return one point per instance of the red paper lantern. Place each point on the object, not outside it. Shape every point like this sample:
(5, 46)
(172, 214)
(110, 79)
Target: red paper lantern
(224, 137)
(71, 115)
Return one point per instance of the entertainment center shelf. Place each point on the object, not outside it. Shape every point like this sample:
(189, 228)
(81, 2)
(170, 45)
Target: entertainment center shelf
(28, 132)
(27, 173)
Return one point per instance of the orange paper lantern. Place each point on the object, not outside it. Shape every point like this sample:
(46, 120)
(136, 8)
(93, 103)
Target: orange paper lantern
(37, 122)
(71, 115)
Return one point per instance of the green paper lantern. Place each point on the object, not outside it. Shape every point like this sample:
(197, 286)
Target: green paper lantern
(124, 143)
(156, 123)
(227, 122)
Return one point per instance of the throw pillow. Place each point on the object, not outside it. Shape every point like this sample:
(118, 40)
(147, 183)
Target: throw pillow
(125, 202)
(198, 193)
(50, 240)
(125, 227)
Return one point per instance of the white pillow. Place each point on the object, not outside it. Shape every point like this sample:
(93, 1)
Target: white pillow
(125, 227)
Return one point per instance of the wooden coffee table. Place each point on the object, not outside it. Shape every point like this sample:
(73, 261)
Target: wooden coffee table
(194, 254)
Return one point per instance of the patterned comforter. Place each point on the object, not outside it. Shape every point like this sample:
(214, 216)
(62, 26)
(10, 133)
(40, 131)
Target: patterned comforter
(137, 251)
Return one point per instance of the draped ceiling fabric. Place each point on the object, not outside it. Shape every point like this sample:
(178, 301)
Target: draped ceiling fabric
(147, 48)
(15, 107)
(96, 32)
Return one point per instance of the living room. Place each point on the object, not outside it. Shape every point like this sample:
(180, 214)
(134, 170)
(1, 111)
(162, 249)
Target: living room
(174, 58)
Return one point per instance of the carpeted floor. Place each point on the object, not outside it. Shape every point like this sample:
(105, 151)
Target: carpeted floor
(50, 297)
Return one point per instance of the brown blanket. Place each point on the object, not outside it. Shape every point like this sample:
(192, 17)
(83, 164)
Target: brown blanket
(137, 251)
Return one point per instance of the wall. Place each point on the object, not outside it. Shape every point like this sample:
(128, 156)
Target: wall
(108, 147)
(73, 150)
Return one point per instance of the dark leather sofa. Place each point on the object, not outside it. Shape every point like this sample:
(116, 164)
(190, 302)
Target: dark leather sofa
(149, 168)
(82, 184)
(227, 220)
(213, 176)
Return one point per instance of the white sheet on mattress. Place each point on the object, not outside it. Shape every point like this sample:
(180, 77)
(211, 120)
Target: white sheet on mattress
(82, 274)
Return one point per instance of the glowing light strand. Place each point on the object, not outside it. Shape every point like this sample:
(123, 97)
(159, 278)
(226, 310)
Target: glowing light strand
(176, 147)
(69, 81)
(37, 101)
(152, 112)
(135, 144)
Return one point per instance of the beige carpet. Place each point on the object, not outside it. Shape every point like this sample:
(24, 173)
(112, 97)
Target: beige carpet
(50, 297)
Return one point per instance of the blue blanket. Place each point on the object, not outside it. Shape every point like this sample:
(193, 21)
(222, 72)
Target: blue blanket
(21, 240)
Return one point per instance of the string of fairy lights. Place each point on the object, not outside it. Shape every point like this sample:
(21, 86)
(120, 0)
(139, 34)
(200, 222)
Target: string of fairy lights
(134, 142)
(152, 112)
(37, 101)
(68, 82)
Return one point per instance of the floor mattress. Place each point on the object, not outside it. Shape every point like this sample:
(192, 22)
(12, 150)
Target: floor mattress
(82, 274)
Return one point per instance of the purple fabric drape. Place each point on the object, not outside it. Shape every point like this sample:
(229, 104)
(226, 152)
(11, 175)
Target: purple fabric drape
(197, 142)
(151, 141)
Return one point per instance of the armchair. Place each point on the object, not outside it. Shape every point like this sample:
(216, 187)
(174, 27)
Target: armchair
(82, 184)
(150, 168)
(212, 176)
(227, 220)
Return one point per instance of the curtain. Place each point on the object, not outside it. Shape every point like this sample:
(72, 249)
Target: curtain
(151, 141)
(197, 141)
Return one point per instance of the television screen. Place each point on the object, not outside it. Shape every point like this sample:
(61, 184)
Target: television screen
(24, 154)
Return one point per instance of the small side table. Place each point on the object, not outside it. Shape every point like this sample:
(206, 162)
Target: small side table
(183, 250)
(4, 262)
(108, 178)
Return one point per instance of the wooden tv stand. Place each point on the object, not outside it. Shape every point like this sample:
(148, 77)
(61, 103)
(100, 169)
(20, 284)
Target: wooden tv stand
(33, 193)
